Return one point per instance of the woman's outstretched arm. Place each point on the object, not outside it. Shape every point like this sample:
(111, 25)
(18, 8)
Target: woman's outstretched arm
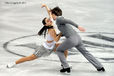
(48, 10)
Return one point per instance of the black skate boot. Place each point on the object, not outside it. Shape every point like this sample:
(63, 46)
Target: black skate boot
(102, 69)
(65, 70)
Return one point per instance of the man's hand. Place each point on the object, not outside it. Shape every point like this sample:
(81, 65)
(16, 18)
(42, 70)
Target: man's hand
(81, 28)
(60, 34)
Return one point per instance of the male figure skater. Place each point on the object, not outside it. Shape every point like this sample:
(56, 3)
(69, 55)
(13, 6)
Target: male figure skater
(72, 40)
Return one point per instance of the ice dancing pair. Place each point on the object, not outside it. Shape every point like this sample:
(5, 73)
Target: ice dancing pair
(72, 40)
(48, 46)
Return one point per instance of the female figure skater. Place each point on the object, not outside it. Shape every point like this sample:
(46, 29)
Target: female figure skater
(48, 47)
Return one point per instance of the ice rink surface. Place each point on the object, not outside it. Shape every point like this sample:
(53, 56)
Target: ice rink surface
(20, 20)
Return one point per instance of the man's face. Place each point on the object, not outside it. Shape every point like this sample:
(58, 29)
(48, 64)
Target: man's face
(54, 16)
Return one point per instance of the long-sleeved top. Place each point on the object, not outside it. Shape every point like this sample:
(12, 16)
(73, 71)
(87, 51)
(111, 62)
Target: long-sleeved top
(64, 25)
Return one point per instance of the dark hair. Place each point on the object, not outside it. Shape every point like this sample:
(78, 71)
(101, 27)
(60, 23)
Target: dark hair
(57, 11)
(44, 28)
(43, 21)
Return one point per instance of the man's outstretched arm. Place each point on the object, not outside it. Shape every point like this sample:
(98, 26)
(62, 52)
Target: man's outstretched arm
(62, 20)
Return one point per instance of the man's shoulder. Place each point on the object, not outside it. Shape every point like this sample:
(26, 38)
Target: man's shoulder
(59, 19)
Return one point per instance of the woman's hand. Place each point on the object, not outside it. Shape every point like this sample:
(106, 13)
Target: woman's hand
(81, 28)
(43, 5)
(48, 10)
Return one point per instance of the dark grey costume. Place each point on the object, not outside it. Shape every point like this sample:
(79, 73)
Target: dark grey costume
(72, 40)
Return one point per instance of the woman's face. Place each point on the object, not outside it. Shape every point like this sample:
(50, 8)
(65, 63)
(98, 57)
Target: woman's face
(48, 22)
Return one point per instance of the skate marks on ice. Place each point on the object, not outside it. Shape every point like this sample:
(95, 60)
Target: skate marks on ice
(97, 43)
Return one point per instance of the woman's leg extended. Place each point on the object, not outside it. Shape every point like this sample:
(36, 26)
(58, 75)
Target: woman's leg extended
(65, 52)
(28, 58)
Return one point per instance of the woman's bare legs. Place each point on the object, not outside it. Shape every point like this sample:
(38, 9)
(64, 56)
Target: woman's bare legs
(32, 57)
(28, 58)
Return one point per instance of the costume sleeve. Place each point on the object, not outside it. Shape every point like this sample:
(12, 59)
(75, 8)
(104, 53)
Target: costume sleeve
(61, 20)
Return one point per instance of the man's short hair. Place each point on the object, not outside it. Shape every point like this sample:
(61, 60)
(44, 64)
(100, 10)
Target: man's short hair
(57, 11)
